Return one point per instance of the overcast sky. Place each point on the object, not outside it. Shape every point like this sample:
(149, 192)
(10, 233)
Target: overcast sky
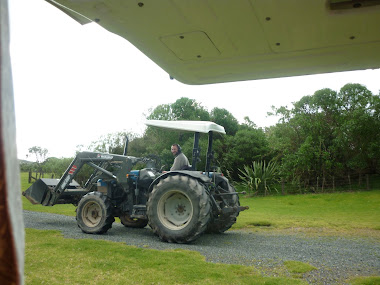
(74, 83)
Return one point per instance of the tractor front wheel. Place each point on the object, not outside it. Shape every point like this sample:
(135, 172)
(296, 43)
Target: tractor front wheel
(94, 213)
(178, 209)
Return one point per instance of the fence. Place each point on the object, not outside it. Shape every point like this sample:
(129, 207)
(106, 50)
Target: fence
(38, 175)
(331, 184)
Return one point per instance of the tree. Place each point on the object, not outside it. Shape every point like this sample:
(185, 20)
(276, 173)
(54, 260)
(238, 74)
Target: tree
(328, 134)
(188, 109)
(247, 145)
(359, 134)
(161, 112)
(226, 119)
(39, 153)
(111, 143)
(248, 124)
(56, 166)
(182, 109)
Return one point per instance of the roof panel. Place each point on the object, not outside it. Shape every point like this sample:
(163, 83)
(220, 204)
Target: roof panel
(226, 41)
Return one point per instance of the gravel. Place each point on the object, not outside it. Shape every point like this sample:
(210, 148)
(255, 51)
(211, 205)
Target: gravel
(336, 258)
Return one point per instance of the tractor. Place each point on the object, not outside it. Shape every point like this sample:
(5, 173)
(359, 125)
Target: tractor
(177, 205)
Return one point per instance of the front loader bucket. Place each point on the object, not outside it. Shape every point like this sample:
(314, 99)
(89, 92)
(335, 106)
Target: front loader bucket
(39, 191)
(42, 192)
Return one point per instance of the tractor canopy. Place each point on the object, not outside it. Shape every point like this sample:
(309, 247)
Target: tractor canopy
(191, 126)
(197, 127)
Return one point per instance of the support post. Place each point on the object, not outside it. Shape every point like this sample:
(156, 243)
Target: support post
(196, 151)
(210, 155)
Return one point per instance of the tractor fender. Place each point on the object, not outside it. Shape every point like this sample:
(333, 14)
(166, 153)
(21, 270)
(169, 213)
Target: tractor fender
(194, 174)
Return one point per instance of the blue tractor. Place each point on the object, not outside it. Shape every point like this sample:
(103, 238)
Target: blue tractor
(178, 205)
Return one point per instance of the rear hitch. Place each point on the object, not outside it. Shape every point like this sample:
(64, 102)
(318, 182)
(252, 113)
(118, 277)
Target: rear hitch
(226, 210)
(230, 193)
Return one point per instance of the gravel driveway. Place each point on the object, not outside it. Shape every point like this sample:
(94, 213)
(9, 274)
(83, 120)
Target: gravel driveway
(337, 258)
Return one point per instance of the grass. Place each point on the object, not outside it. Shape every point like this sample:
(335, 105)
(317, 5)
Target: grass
(100, 262)
(370, 280)
(52, 259)
(337, 212)
(298, 267)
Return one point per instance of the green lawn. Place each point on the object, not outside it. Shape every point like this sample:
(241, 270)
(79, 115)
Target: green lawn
(346, 212)
(51, 259)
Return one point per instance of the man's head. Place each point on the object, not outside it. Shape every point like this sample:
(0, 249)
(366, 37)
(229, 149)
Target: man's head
(175, 149)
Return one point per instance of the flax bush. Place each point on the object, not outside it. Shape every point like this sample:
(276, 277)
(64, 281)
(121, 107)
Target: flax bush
(260, 178)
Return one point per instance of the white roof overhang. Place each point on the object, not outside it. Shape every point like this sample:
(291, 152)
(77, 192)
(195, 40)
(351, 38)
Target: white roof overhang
(200, 42)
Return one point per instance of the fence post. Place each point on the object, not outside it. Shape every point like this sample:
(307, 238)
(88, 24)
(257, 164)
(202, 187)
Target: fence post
(282, 186)
(323, 184)
(367, 178)
(30, 176)
(265, 187)
(317, 183)
(334, 183)
(349, 182)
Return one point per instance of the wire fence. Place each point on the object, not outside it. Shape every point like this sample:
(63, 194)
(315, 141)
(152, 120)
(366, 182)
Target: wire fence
(331, 184)
(355, 182)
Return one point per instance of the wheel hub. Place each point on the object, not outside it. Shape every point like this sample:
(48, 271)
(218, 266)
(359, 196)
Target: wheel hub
(94, 214)
(181, 209)
(175, 210)
(91, 215)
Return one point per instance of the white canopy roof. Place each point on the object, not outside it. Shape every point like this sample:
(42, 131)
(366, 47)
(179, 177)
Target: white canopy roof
(191, 126)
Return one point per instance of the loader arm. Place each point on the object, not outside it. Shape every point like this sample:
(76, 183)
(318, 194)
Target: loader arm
(48, 194)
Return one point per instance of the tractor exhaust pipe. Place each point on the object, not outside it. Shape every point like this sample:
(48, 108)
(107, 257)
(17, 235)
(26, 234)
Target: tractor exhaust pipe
(126, 146)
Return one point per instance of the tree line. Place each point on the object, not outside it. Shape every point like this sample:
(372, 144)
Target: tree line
(323, 137)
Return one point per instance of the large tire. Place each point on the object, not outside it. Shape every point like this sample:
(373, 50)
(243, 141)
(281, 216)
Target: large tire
(223, 222)
(129, 222)
(178, 209)
(94, 213)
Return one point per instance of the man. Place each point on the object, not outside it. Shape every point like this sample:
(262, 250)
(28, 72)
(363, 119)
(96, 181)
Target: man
(180, 161)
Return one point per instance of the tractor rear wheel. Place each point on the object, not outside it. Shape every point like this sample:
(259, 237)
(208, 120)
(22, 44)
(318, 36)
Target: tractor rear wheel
(222, 222)
(129, 222)
(178, 209)
(94, 213)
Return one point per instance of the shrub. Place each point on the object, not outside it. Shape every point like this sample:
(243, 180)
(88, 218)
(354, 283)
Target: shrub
(260, 178)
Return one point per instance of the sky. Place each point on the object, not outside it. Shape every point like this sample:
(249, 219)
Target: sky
(74, 83)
